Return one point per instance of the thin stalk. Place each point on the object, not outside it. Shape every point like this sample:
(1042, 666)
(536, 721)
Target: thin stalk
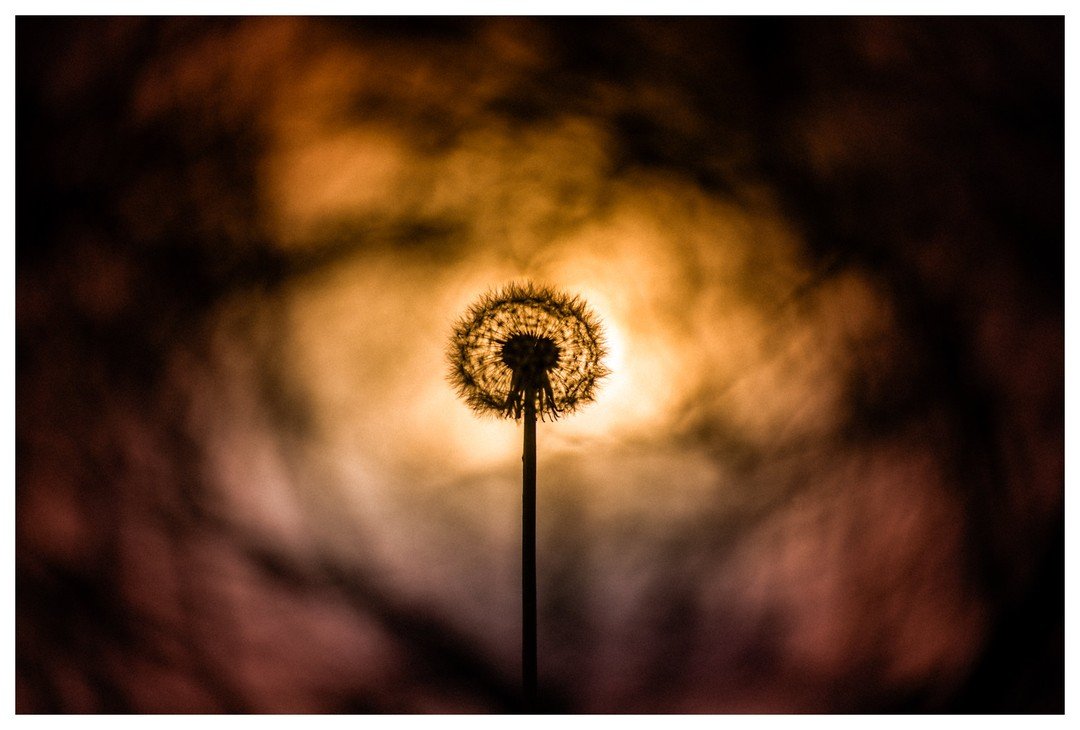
(528, 555)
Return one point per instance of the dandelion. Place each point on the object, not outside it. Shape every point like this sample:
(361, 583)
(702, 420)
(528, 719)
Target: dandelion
(527, 345)
(518, 353)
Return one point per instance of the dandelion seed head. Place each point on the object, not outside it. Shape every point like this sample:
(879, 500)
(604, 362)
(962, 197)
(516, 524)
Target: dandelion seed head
(527, 342)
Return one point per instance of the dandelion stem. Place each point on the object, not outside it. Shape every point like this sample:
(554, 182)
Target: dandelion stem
(528, 554)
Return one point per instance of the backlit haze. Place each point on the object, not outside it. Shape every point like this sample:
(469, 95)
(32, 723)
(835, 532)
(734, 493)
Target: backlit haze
(825, 474)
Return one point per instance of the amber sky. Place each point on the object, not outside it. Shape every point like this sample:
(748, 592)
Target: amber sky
(826, 474)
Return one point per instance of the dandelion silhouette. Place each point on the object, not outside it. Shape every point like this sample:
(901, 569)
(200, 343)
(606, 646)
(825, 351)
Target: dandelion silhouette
(517, 353)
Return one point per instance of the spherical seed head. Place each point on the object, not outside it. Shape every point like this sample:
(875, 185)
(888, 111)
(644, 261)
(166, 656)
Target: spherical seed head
(527, 342)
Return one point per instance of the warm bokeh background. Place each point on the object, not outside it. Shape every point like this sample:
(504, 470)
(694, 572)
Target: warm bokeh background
(826, 475)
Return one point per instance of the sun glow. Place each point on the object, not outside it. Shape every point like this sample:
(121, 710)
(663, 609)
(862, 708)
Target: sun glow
(639, 251)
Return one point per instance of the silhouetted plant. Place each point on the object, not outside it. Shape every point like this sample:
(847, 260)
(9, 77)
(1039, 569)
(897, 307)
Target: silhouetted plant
(526, 338)
(518, 352)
